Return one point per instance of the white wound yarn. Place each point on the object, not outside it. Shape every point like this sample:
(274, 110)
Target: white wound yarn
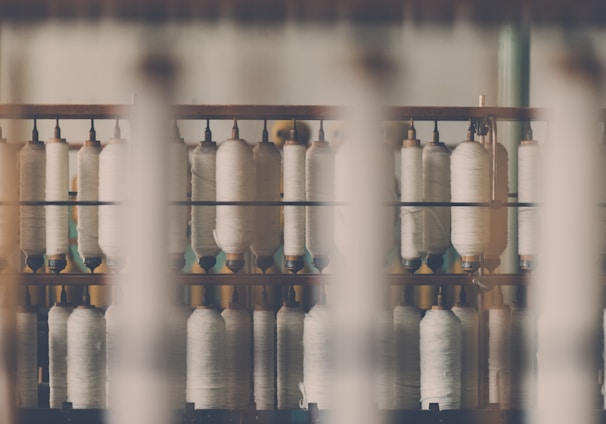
(177, 319)
(27, 359)
(57, 188)
(407, 375)
(523, 347)
(319, 187)
(206, 359)
(86, 358)
(113, 187)
(57, 354)
(470, 182)
(384, 359)
(235, 182)
(440, 346)
(411, 191)
(268, 168)
(177, 192)
(203, 187)
(499, 322)
(528, 191)
(318, 363)
(112, 326)
(264, 354)
(32, 186)
(238, 367)
(498, 216)
(436, 188)
(289, 323)
(294, 190)
(470, 363)
(9, 189)
(88, 190)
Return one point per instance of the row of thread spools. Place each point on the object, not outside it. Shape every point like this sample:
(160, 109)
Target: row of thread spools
(235, 172)
(228, 359)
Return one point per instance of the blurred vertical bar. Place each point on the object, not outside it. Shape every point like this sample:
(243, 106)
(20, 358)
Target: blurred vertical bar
(566, 284)
(142, 366)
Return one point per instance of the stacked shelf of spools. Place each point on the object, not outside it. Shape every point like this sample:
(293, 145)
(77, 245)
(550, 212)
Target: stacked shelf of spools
(453, 361)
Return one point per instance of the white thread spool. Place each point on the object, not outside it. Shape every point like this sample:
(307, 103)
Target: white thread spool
(178, 316)
(112, 328)
(238, 369)
(294, 191)
(57, 354)
(27, 358)
(86, 358)
(498, 216)
(440, 347)
(113, 187)
(523, 358)
(264, 369)
(436, 188)
(177, 192)
(470, 363)
(318, 364)
(407, 376)
(203, 187)
(9, 189)
(57, 188)
(528, 192)
(384, 360)
(32, 186)
(268, 163)
(470, 182)
(289, 323)
(411, 191)
(88, 190)
(499, 321)
(205, 359)
(235, 182)
(319, 187)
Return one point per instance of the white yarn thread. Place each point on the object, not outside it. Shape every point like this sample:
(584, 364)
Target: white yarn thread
(528, 191)
(498, 216)
(470, 363)
(264, 369)
(112, 328)
(57, 188)
(203, 187)
(32, 178)
(499, 327)
(411, 191)
(178, 316)
(88, 190)
(294, 190)
(289, 323)
(384, 360)
(86, 358)
(235, 182)
(319, 187)
(407, 375)
(523, 358)
(268, 163)
(318, 363)
(440, 346)
(206, 359)
(8, 193)
(436, 188)
(113, 187)
(27, 359)
(177, 192)
(238, 369)
(470, 182)
(57, 354)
